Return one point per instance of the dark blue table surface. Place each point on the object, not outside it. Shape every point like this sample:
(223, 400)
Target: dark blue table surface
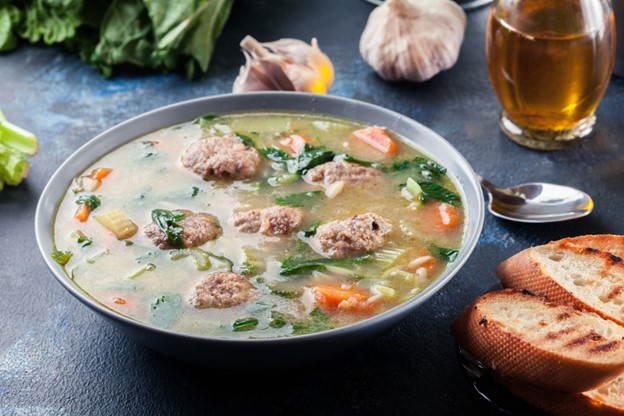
(59, 358)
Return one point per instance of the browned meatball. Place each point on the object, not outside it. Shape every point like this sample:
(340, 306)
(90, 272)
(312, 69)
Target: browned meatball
(221, 157)
(331, 172)
(198, 228)
(221, 290)
(273, 221)
(355, 236)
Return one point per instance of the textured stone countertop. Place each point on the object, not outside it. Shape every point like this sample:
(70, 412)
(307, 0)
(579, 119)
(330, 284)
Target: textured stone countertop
(59, 358)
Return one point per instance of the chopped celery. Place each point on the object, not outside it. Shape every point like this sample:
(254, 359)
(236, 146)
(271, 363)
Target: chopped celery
(244, 324)
(147, 268)
(388, 255)
(412, 190)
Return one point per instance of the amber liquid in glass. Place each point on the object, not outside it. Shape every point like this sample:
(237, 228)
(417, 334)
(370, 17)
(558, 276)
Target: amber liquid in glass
(550, 60)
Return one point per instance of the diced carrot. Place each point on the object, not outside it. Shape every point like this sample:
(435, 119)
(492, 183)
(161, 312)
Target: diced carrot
(449, 215)
(335, 297)
(119, 301)
(377, 138)
(100, 173)
(294, 144)
(82, 213)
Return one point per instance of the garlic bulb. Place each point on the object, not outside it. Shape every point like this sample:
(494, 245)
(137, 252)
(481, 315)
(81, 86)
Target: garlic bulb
(413, 39)
(286, 64)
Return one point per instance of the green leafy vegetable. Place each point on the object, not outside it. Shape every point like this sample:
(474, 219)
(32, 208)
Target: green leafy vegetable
(292, 266)
(244, 324)
(426, 168)
(206, 119)
(165, 309)
(15, 144)
(303, 199)
(445, 254)
(200, 257)
(309, 158)
(81, 238)
(167, 221)
(286, 293)
(195, 191)
(277, 320)
(319, 321)
(311, 230)
(433, 191)
(156, 34)
(61, 257)
(247, 141)
(275, 154)
(91, 201)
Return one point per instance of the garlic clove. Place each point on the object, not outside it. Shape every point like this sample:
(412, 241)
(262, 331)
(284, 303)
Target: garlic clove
(286, 64)
(413, 39)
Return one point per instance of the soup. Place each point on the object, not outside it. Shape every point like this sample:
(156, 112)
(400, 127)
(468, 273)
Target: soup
(258, 225)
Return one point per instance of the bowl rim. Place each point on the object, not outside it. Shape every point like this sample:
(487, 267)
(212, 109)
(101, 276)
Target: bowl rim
(472, 228)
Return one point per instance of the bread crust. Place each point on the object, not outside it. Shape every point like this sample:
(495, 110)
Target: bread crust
(523, 271)
(483, 335)
(563, 404)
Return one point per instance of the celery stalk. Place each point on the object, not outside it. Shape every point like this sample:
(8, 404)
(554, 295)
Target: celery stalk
(17, 138)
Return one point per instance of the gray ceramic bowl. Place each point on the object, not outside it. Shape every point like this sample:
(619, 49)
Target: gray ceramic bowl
(262, 352)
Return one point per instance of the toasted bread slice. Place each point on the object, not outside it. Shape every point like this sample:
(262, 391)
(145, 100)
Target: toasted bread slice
(553, 346)
(609, 243)
(570, 271)
(607, 400)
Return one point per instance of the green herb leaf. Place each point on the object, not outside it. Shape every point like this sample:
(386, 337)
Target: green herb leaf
(91, 201)
(286, 293)
(309, 158)
(165, 309)
(303, 199)
(312, 229)
(433, 191)
(167, 221)
(292, 266)
(447, 255)
(195, 191)
(247, 141)
(206, 119)
(426, 168)
(275, 154)
(319, 322)
(81, 238)
(61, 257)
(244, 324)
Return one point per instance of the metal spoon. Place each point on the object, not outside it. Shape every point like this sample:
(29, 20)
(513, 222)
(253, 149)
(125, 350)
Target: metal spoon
(537, 202)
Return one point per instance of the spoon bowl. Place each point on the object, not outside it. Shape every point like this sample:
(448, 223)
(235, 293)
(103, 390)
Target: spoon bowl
(537, 202)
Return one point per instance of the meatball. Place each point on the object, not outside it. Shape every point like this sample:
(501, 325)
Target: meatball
(198, 228)
(221, 157)
(273, 221)
(355, 236)
(221, 290)
(331, 172)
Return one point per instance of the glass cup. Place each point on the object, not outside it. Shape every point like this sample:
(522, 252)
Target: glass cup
(549, 63)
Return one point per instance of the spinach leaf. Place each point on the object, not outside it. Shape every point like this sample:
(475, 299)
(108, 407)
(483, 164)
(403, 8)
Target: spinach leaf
(200, 257)
(244, 324)
(194, 191)
(165, 309)
(312, 229)
(275, 154)
(445, 254)
(433, 191)
(91, 201)
(349, 158)
(303, 199)
(167, 221)
(427, 168)
(319, 321)
(309, 158)
(247, 141)
(206, 119)
(277, 320)
(292, 266)
(286, 293)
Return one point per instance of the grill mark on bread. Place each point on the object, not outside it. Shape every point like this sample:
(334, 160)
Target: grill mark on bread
(591, 250)
(591, 336)
(615, 259)
(556, 334)
(563, 316)
(615, 292)
(483, 320)
(609, 346)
